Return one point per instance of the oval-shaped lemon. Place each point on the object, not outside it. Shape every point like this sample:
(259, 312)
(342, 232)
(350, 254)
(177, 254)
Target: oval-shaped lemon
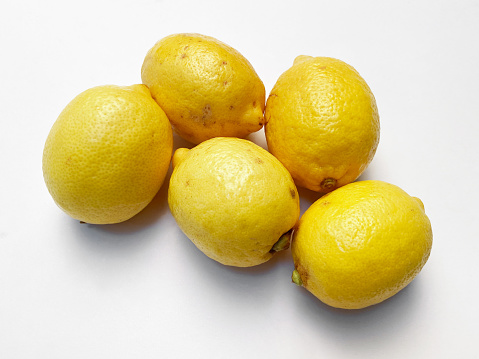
(207, 88)
(107, 154)
(233, 199)
(361, 244)
(322, 123)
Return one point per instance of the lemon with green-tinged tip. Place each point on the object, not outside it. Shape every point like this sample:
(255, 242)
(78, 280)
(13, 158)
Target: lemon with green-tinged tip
(234, 200)
(206, 87)
(361, 244)
(107, 154)
(322, 123)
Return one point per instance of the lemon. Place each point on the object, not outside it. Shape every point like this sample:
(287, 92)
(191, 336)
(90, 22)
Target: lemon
(234, 200)
(322, 123)
(206, 88)
(361, 244)
(107, 154)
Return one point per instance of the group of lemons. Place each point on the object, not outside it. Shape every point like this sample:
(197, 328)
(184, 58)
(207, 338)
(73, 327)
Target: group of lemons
(109, 151)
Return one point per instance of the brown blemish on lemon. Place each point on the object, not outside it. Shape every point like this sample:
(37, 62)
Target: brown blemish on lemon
(207, 113)
(293, 193)
(300, 276)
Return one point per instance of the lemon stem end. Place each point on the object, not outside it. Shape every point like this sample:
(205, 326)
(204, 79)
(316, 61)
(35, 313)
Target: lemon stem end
(282, 243)
(296, 278)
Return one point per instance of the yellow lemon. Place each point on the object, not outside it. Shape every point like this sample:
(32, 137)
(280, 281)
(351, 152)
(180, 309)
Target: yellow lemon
(234, 200)
(206, 88)
(107, 154)
(322, 123)
(361, 244)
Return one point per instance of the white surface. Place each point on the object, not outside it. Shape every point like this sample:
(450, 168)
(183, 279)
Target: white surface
(141, 289)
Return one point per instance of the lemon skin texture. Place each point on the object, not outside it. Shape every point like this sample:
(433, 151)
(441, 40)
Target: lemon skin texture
(207, 88)
(361, 244)
(322, 123)
(107, 154)
(232, 199)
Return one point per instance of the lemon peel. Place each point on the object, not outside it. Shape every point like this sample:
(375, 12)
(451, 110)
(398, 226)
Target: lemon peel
(234, 200)
(207, 88)
(361, 244)
(107, 154)
(322, 123)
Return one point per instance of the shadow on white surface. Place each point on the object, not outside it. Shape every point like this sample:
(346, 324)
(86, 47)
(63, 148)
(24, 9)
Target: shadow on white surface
(104, 247)
(242, 288)
(372, 326)
(121, 239)
(307, 198)
(200, 260)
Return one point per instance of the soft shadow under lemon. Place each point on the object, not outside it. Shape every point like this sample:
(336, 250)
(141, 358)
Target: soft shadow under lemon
(374, 325)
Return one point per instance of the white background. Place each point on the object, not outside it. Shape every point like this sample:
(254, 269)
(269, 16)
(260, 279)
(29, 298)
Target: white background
(141, 289)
